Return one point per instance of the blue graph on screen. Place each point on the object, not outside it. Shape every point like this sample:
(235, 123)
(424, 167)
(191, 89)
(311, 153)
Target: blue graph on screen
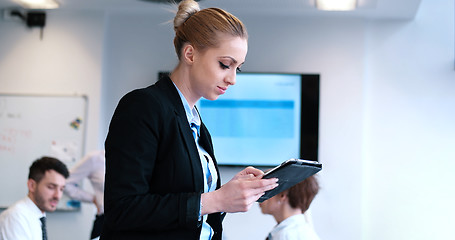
(249, 118)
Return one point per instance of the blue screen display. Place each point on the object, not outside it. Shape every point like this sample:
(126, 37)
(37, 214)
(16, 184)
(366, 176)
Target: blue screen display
(257, 121)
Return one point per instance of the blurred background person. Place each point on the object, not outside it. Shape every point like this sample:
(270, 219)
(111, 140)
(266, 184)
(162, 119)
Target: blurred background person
(26, 219)
(289, 208)
(91, 167)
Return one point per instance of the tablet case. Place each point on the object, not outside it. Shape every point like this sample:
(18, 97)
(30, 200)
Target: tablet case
(289, 173)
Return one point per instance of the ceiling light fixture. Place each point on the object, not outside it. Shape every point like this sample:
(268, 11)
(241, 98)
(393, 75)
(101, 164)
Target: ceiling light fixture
(336, 5)
(38, 4)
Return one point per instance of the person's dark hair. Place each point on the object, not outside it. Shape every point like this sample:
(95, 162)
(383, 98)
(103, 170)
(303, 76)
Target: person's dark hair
(202, 28)
(40, 166)
(302, 194)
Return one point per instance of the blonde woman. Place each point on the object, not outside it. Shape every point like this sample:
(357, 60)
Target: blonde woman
(162, 179)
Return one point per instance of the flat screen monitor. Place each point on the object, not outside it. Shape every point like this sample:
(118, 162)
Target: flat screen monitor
(264, 119)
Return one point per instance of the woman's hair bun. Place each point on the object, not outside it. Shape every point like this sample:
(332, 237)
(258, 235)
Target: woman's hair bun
(186, 9)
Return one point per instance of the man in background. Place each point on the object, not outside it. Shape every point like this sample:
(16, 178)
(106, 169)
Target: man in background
(26, 219)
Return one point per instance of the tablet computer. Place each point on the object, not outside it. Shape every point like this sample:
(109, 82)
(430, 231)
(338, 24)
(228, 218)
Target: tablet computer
(289, 173)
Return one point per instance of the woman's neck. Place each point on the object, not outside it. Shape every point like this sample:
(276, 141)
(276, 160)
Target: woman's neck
(180, 77)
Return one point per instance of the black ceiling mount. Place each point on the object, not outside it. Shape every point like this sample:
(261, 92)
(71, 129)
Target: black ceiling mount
(36, 19)
(33, 18)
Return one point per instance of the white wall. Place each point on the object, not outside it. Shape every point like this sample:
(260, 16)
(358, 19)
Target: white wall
(386, 107)
(409, 126)
(127, 66)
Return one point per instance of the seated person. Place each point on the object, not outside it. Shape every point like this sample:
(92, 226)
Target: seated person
(288, 208)
(25, 219)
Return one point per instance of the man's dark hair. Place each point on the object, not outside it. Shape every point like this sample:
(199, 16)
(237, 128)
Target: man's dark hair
(40, 166)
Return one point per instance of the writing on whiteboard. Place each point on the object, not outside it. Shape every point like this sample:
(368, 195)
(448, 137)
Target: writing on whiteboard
(10, 136)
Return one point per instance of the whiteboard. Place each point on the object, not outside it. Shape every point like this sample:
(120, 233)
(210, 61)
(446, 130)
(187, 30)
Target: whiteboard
(32, 126)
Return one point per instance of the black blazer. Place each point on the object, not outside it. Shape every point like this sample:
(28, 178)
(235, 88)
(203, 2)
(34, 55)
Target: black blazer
(154, 177)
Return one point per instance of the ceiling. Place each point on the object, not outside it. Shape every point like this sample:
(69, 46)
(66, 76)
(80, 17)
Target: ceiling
(369, 9)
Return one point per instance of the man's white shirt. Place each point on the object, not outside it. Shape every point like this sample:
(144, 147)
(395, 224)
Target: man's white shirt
(21, 221)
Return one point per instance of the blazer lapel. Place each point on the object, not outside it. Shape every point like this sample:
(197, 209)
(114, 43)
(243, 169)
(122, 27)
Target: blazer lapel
(185, 132)
(187, 136)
